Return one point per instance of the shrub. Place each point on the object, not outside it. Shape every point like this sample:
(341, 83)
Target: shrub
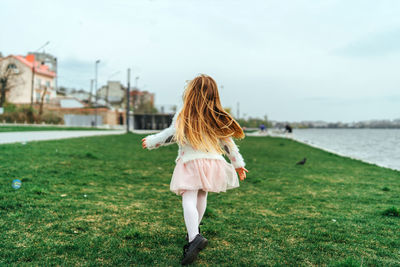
(18, 114)
(51, 118)
(9, 107)
(28, 114)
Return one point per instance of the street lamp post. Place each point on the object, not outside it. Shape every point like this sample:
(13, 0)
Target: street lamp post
(91, 92)
(95, 90)
(33, 72)
(136, 82)
(128, 100)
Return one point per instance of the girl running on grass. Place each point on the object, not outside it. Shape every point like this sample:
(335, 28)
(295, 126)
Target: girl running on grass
(203, 131)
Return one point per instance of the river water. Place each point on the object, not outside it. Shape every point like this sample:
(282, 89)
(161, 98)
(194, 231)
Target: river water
(378, 146)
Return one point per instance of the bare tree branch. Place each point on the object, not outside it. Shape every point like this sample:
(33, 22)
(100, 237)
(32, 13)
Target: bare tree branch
(8, 72)
(42, 100)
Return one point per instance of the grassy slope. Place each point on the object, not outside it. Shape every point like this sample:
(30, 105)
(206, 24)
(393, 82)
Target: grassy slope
(282, 214)
(42, 128)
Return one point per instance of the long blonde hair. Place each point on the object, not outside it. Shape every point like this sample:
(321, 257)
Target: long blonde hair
(203, 121)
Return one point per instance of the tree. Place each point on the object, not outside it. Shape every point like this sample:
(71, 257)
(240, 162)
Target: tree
(254, 122)
(146, 108)
(42, 100)
(8, 74)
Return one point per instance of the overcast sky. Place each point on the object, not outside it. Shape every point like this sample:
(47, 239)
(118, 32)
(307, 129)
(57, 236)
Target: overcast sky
(290, 60)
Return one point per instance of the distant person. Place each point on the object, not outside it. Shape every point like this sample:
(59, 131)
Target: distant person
(288, 130)
(200, 168)
(262, 128)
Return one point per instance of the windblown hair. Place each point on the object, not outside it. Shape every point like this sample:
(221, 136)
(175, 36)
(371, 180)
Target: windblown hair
(203, 121)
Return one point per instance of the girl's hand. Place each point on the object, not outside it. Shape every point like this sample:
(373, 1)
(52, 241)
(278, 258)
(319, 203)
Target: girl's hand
(242, 172)
(144, 143)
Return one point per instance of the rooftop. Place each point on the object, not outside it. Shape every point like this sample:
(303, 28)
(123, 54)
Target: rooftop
(30, 61)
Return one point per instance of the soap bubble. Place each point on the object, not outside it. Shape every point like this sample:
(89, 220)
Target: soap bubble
(16, 183)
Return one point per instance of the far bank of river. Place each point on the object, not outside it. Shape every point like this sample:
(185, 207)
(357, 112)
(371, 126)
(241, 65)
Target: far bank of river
(378, 146)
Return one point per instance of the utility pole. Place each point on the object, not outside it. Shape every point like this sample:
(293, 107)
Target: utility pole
(136, 82)
(238, 110)
(127, 100)
(56, 79)
(95, 90)
(33, 81)
(107, 89)
(91, 91)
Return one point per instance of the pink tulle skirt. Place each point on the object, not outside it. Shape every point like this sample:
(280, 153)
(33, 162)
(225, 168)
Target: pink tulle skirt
(211, 175)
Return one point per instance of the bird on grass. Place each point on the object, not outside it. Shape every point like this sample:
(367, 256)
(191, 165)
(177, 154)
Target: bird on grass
(302, 162)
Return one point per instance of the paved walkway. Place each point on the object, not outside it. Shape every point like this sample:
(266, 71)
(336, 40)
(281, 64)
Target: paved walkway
(273, 133)
(18, 137)
(145, 131)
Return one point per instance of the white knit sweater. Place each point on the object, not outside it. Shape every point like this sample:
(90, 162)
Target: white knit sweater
(187, 152)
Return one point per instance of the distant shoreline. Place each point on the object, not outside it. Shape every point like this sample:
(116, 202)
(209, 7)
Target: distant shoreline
(373, 146)
(342, 155)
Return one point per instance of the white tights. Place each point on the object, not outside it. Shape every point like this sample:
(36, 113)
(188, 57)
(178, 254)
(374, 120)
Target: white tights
(194, 204)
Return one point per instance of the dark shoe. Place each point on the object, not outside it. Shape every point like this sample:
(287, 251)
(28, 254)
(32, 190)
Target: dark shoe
(192, 249)
(187, 235)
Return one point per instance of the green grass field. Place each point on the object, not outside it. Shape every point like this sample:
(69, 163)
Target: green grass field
(20, 128)
(105, 201)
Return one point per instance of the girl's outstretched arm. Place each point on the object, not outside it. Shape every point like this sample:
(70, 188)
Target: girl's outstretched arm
(232, 152)
(163, 138)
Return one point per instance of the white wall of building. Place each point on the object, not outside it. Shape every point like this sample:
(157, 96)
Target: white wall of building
(21, 84)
